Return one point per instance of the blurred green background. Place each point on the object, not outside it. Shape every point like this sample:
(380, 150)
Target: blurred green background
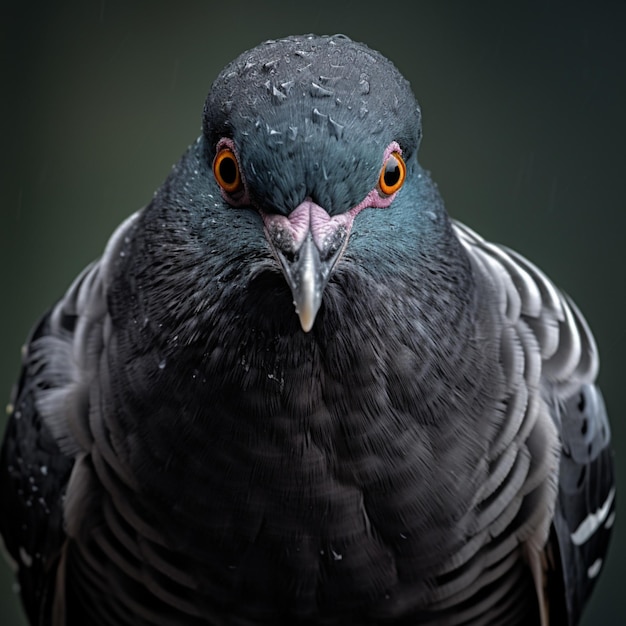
(524, 129)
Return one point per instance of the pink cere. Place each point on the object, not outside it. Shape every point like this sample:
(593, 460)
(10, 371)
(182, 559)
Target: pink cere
(310, 217)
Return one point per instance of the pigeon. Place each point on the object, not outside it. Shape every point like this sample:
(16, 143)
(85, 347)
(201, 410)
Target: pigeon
(292, 390)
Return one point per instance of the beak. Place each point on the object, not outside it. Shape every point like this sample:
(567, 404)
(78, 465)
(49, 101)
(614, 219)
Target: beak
(307, 274)
(307, 243)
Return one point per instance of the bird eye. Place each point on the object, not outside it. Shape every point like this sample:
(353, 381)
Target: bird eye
(392, 175)
(226, 170)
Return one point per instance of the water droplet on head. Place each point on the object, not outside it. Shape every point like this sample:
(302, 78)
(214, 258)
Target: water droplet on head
(270, 66)
(335, 128)
(317, 91)
(278, 95)
(162, 364)
(317, 116)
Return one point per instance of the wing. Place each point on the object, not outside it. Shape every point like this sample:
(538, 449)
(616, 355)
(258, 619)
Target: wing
(33, 476)
(45, 436)
(585, 509)
(566, 569)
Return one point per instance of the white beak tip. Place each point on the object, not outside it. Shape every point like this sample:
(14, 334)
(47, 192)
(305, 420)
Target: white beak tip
(307, 318)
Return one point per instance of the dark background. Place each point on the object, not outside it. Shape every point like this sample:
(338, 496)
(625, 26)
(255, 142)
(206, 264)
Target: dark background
(524, 129)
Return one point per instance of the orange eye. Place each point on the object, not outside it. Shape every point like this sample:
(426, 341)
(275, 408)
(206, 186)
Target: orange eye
(226, 170)
(392, 175)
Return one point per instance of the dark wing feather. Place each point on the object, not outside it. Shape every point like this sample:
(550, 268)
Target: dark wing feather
(583, 513)
(33, 476)
(47, 433)
(585, 509)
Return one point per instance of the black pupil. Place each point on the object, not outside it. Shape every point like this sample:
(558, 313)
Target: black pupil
(228, 170)
(392, 172)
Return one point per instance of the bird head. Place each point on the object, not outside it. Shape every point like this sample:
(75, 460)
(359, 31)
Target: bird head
(308, 132)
